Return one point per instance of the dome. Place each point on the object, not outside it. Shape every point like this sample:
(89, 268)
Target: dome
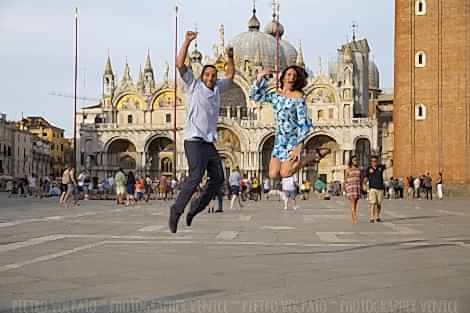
(289, 51)
(260, 47)
(374, 77)
(253, 23)
(196, 56)
(252, 45)
(272, 28)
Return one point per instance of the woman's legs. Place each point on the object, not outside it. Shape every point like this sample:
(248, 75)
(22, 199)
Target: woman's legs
(274, 168)
(354, 210)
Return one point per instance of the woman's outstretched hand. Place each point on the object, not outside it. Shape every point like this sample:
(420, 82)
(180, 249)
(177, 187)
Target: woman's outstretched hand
(265, 72)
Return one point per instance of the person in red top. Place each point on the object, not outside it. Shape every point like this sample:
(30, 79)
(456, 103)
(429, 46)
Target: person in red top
(139, 188)
(163, 186)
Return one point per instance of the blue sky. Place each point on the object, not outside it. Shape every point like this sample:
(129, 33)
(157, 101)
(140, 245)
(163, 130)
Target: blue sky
(37, 43)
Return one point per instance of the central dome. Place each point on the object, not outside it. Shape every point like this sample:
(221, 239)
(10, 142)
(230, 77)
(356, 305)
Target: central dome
(259, 47)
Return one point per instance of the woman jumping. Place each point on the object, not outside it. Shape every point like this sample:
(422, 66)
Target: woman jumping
(292, 122)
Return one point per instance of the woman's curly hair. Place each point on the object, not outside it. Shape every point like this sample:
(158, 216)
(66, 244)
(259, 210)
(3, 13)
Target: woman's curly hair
(301, 80)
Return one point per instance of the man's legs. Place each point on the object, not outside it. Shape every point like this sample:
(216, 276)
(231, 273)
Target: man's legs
(196, 154)
(220, 197)
(215, 173)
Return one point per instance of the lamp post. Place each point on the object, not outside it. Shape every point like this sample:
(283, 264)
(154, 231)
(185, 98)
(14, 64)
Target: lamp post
(175, 93)
(75, 92)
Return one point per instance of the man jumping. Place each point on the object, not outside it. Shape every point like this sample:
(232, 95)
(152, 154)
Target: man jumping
(203, 107)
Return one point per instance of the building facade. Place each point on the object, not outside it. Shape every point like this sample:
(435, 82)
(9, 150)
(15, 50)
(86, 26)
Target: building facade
(42, 157)
(6, 147)
(132, 127)
(40, 127)
(432, 89)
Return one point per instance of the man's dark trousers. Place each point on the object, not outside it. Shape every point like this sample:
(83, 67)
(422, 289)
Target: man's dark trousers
(201, 156)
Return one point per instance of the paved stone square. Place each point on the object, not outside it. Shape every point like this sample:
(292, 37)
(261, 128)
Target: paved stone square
(99, 257)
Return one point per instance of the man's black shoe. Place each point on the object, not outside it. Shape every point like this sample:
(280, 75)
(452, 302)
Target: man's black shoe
(191, 214)
(189, 219)
(219, 211)
(173, 221)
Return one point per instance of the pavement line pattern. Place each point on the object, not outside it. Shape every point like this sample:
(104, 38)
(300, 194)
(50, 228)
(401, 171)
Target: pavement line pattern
(277, 227)
(49, 257)
(227, 235)
(451, 213)
(394, 214)
(402, 229)
(333, 236)
(30, 242)
(60, 217)
(331, 216)
(151, 228)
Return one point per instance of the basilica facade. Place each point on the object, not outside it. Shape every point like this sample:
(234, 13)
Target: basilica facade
(132, 127)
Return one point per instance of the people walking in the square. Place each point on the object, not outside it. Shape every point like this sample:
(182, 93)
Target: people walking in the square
(417, 186)
(289, 188)
(235, 180)
(121, 181)
(201, 132)
(266, 186)
(353, 186)
(305, 188)
(163, 188)
(428, 186)
(69, 182)
(440, 187)
(374, 175)
(130, 188)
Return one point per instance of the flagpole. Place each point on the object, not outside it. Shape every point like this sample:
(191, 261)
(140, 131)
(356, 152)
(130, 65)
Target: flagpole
(175, 93)
(277, 29)
(75, 92)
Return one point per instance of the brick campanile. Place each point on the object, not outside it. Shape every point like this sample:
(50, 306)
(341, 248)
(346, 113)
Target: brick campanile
(432, 89)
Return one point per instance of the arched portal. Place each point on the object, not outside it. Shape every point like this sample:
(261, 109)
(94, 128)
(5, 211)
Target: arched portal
(159, 156)
(266, 152)
(122, 153)
(326, 168)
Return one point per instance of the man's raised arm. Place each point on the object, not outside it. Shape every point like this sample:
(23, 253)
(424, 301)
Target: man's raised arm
(181, 57)
(230, 71)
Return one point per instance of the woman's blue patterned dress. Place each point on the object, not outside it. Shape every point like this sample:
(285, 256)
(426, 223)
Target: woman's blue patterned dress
(292, 121)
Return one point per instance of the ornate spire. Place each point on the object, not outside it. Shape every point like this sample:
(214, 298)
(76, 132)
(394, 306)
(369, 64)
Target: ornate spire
(221, 39)
(108, 68)
(148, 63)
(127, 73)
(196, 55)
(300, 56)
(354, 27)
(253, 23)
(141, 74)
(275, 27)
(167, 72)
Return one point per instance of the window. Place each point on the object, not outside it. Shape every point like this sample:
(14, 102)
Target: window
(420, 59)
(44, 134)
(320, 115)
(129, 119)
(168, 118)
(61, 147)
(420, 112)
(420, 7)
